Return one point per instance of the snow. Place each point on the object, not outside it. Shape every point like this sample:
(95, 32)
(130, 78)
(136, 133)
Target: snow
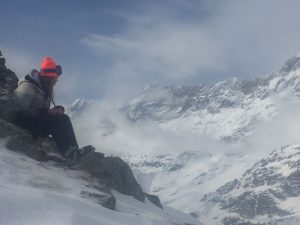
(291, 204)
(200, 174)
(34, 193)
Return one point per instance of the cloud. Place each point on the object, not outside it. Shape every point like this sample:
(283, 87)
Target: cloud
(94, 126)
(194, 41)
(166, 52)
(19, 61)
(280, 131)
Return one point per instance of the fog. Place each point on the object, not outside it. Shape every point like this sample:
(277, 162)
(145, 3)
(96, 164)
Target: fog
(121, 135)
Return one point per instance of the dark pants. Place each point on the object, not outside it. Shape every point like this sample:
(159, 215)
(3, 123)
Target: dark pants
(58, 126)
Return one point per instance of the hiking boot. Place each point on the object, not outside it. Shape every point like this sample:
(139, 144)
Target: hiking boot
(73, 153)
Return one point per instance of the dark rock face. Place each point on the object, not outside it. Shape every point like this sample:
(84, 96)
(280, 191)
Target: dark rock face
(236, 221)
(116, 173)
(154, 199)
(249, 205)
(19, 140)
(291, 186)
(8, 82)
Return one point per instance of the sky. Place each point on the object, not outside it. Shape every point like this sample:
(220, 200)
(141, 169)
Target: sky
(115, 48)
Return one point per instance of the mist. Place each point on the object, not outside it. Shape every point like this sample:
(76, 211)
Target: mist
(109, 130)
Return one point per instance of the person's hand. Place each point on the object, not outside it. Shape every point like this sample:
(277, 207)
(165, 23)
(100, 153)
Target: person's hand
(57, 110)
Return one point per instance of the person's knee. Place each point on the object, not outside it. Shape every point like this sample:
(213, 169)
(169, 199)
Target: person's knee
(61, 118)
(64, 117)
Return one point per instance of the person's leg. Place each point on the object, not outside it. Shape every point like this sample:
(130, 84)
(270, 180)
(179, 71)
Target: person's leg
(61, 129)
(32, 124)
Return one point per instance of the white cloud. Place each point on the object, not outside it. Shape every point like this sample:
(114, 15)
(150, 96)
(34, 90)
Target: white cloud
(282, 130)
(141, 138)
(171, 51)
(233, 38)
(19, 61)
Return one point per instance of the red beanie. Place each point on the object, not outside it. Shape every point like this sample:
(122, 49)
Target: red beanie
(48, 67)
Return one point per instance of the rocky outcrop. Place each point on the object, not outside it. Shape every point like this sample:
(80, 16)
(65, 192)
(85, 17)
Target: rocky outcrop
(116, 174)
(114, 171)
(109, 172)
(154, 199)
(8, 82)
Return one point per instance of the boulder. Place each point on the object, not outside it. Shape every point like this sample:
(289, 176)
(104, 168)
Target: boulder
(20, 140)
(116, 173)
(154, 199)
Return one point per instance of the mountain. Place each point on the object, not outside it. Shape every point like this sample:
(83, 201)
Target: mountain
(78, 107)
(215, 182)
(250, 185)
(265, 193)
(234, 105)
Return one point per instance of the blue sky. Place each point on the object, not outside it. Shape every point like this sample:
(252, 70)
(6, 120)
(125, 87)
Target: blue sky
(110, 47)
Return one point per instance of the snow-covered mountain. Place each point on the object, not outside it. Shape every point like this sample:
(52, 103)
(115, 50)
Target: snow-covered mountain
(211, 182)
(226, 111)
(227, 189)
(266, 193)
(224, 188)
(77, 107)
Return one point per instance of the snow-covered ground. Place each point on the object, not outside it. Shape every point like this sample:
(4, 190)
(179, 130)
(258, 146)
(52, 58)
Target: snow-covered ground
(38, 193)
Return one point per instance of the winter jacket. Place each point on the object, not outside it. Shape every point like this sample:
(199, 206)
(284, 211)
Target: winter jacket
(30, 96)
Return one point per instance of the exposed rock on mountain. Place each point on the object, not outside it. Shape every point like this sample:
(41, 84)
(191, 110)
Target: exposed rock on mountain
(115, 172)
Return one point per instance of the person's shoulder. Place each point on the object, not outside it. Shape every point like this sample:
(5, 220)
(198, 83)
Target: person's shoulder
(25, 87)
(27, 83)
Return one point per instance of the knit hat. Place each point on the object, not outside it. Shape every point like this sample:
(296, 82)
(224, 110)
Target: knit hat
(49, 68)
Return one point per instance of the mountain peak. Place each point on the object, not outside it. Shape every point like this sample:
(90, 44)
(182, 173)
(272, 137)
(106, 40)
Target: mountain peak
(291, 64)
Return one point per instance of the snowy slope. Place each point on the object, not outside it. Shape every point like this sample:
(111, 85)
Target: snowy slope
(37, 193)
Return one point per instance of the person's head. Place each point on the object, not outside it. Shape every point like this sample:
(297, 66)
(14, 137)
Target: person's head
(49, 73)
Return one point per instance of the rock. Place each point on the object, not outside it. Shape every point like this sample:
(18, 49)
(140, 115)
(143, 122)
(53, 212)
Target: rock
(2, 63)
(20, 140)
(250, 204)
(291, 185)
(106, 199)
(116, 173)
(8, 83)
(154, 199)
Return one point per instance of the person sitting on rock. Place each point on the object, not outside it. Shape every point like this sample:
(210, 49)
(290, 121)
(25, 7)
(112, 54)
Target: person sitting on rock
(34, 96)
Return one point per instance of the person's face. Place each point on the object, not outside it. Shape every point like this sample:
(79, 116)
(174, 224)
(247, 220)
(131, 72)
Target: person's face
(48, 82)
(53, 80)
